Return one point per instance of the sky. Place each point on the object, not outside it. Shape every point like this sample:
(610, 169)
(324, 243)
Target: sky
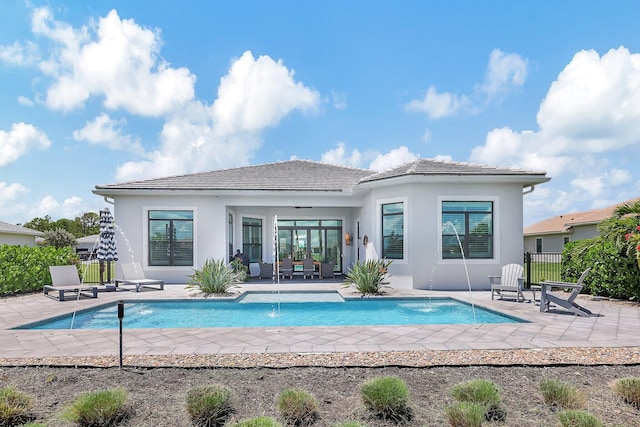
(99, 92)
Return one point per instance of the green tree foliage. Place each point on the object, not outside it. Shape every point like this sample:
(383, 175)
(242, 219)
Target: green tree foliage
(26, 269)
(60, 238)
(612, 256)
(84, 225)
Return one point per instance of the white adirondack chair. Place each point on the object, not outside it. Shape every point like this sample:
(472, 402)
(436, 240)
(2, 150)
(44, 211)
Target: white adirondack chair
(509, 284)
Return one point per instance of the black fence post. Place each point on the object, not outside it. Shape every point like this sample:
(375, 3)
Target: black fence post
(527, 261)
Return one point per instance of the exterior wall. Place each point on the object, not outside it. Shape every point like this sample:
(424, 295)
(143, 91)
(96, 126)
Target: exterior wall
(211, 235)
(550, 242)
(17, 239)
(423, 266)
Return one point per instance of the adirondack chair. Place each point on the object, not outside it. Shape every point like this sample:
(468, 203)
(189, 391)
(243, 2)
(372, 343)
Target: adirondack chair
(568, 303)
(509, 284)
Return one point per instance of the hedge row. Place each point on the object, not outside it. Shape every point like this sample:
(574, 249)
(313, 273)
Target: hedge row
(25, 269)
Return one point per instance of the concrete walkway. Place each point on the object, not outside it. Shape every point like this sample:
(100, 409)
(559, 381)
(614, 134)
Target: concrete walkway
(617, 325)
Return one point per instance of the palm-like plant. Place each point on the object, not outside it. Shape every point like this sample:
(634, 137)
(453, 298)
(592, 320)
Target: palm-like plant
(369, 277)
(215, 277)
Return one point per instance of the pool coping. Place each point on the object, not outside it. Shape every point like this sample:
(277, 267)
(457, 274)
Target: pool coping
(615, 327)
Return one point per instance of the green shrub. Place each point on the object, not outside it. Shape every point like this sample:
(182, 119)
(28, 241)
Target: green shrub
(578, 419)
(387, 397)
(258, 422)
(209, 405)
(465, 414)
(369, 277)
(98, 408)
(34, 425)
(241, 270)
(60, 238)
(481, 392)
(561, 395)
(215, 277)
(26, 269)
(297, 407)
(15, 407)
(629, 390)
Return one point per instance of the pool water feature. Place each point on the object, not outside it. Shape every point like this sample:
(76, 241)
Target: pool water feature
(221, 313)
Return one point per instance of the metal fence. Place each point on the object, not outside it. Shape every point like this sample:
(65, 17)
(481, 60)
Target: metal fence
(540, 266)
(91, 270)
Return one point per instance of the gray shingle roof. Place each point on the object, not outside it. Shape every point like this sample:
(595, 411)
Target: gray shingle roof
(437, 167)
(305, 175)
(5, 227)
(294, 175)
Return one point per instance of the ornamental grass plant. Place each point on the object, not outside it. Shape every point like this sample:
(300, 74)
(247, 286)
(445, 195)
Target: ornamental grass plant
(103, 408)
(15, 407)
(573, 418)
(297, 407)
(369, 277)
(209, 405)
(481, 392)
(465, 414)
(215, 277)
(629, 390)
(258, 422)
(387, 398)
(561, 395)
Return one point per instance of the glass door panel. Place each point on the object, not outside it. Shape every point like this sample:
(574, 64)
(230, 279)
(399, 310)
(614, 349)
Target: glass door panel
(285, 244)
(316, 247)
(334, 248)
(300, 245)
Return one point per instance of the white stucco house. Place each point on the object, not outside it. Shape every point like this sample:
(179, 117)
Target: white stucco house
(411, 214)
(11, 234)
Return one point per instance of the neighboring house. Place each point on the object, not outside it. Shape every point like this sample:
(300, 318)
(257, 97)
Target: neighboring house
(87, 245)
(16, 235)
(550, 235)
(412, 215)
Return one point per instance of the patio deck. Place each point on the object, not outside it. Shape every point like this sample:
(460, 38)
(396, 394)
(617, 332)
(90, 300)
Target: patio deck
(616, 326)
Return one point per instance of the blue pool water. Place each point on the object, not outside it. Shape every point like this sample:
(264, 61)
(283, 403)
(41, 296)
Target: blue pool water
(209, 313)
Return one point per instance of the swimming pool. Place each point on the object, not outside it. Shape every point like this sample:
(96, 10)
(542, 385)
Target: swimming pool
(236, 313)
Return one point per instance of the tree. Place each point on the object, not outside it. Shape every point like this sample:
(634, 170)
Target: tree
(40, 224)
(89, 223)
(59, 238)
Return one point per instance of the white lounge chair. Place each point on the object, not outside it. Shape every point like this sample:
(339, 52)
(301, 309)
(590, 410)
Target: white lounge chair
(511, 282)
(65, 279)
(569, 303)
(133, 275)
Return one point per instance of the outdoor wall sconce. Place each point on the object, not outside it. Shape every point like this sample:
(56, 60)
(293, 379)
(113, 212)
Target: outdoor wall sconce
(348, 239)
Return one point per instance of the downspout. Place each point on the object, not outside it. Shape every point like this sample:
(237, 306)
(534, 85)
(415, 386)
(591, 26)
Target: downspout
(530, 190)
(107, 200)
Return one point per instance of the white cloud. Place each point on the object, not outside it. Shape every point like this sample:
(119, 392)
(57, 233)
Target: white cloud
(47, 206)
(590, 114)
(114, 58)
(108, 132)
(438, 105)
(505, 71)
(23, 100)
(11, 196)
(258, 93)
(393, 158)
(255, 94)
(21, 139)
(339, 100)
(19, 54)
(339, 156)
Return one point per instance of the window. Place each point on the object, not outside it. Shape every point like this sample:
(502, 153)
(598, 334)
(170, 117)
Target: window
(468, 227)
(539, 245)
(393, 230)
(171, 238)
(252, 238)
(566, 240)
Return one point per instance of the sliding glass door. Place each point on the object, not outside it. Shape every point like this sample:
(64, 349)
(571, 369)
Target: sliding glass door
(318, 239)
